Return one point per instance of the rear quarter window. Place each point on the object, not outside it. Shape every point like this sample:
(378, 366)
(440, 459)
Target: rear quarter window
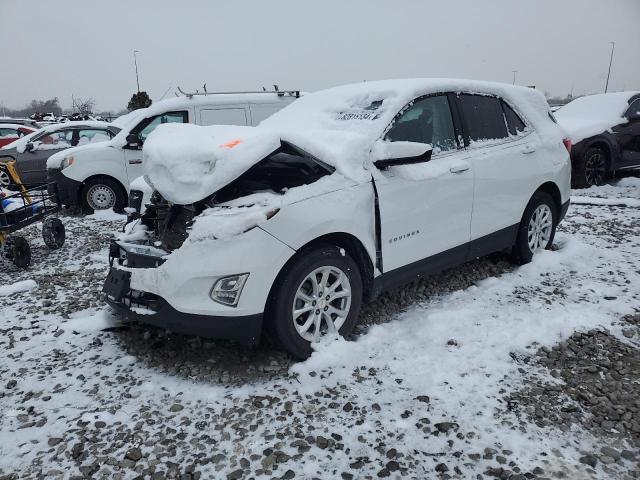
(515, 125)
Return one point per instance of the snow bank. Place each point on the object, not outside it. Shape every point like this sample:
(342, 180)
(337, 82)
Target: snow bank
(23, 286)
(593, 114)
(620, 202)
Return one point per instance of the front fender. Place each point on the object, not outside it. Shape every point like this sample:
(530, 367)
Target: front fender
(108, 161)
(349, 210)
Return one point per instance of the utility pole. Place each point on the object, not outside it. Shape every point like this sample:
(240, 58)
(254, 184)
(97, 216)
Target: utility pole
(514, 76)
(135, 61)
(613, 46)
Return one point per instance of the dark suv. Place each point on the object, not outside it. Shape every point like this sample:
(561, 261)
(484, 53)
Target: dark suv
(605, 130)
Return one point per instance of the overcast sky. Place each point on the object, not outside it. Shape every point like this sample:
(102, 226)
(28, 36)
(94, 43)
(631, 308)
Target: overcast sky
(64, 47)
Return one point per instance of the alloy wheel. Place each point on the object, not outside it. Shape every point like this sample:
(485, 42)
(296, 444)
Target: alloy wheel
(595, 169)
(321, 303)
(540, 227)
(101, 197)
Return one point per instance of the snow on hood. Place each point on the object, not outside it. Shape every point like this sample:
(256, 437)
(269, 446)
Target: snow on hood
(186, 163)
(591, 115)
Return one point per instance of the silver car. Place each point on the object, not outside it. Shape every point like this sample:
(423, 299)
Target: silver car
(32, 151)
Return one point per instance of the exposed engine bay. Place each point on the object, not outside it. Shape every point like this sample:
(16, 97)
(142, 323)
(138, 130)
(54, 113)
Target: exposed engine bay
(288, 167)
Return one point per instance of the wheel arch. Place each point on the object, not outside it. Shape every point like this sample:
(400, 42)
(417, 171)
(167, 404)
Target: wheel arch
(350, 243)
(551, 189)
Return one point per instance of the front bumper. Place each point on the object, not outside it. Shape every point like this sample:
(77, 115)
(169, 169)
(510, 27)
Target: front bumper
(68, 190)
(153, 310)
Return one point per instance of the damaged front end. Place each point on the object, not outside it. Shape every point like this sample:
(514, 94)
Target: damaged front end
(151, 255)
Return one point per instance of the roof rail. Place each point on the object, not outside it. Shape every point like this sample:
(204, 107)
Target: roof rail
(276, 90)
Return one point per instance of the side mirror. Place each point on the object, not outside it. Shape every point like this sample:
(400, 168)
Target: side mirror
(389, 154)
(29, 147)
(133, 141)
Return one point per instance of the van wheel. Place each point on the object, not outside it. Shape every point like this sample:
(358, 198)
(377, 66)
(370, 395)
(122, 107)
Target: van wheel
(102, 194)
(537, 228)
(591, 169)
(319, 294)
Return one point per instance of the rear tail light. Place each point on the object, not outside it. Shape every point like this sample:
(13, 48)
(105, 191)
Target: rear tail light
(567, 144)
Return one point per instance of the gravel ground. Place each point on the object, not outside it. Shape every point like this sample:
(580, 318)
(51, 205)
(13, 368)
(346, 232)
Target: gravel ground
(219, 410)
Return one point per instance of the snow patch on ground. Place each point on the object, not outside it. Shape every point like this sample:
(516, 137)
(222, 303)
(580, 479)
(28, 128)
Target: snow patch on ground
(22, 286)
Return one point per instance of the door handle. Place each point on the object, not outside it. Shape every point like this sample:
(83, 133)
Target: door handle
(528, 149)
(460, 167)
(137, 161)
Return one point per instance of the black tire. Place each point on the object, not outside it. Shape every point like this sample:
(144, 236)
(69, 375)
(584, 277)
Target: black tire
(522, 252)
(591, 168)
(17, 250)
(280, 323)
(102, 187)
(53, 232)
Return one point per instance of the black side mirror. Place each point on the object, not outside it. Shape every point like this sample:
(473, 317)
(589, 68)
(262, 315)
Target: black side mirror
(390, 154)
(133, 141)
(29, 147)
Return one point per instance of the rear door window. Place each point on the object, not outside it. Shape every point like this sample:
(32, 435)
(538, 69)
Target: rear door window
(223, 116)
(514, 122)
(484, 117)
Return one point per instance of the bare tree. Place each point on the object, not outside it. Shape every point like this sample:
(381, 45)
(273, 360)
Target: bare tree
(83, 106)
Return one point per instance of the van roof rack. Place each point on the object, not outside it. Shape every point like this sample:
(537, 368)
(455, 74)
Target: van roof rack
(276, 90)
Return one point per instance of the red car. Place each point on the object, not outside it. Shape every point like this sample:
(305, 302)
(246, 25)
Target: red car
(10, 132)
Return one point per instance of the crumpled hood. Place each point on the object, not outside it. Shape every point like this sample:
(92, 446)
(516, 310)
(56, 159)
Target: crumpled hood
(187, 163)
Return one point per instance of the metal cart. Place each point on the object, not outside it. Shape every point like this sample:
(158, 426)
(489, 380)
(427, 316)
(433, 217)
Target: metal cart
(22, 208)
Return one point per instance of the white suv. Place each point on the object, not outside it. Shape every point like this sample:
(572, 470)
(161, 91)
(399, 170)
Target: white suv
(97, 176)
(288, 227)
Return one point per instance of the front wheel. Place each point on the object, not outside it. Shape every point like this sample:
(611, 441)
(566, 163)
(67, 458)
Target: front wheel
(102, 194)
(537, 228)
(319, 294)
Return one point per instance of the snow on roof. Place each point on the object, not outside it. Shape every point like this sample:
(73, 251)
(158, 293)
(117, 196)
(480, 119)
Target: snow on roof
(591, 115)
(338, 125)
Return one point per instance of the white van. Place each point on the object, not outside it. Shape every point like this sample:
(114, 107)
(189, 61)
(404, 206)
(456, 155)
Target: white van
(97, 176)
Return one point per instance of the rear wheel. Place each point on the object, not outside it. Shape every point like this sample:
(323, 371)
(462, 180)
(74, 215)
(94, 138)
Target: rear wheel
(591, 169)
(17, 250)
(53, 233)
(319, 294)
(102, 194)
(537, 228)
